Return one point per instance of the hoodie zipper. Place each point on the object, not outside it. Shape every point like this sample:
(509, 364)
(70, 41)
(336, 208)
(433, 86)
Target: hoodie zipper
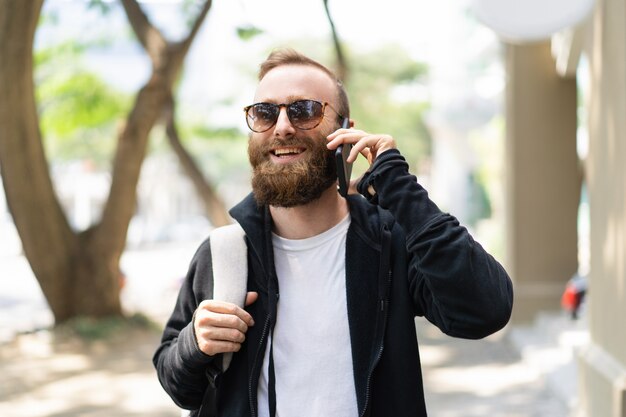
(251, 394)
(272, 286)
(384, 301)
(384, 310)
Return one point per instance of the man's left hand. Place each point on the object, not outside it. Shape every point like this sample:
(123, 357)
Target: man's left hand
(367, 144)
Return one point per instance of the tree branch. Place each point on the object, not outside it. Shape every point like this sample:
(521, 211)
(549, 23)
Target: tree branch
(167, 60)
(149, 36)
(186, 43)
(213, 205)
(342, 65)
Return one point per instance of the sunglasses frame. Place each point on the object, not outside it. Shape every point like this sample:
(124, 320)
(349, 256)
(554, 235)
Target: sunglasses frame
(286, 106)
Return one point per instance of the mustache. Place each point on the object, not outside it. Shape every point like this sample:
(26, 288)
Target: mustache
(306, 142)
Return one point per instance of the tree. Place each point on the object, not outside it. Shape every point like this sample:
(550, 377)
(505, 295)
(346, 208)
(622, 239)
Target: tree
(214, 207)
(78, 271)
(213, 204)
(79, 111)
(340, 58)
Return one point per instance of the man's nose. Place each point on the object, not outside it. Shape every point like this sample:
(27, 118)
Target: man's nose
(283, 127)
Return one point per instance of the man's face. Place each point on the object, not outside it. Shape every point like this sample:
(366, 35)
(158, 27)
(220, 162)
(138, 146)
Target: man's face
(291, 166)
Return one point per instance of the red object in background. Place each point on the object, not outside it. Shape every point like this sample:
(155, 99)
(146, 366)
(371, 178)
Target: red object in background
(574, 295)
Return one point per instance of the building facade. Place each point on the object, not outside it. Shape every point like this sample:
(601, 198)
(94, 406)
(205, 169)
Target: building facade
(544, 179)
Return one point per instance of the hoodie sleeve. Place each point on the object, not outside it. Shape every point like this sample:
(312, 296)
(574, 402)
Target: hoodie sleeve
(453, 281)
(182, 368)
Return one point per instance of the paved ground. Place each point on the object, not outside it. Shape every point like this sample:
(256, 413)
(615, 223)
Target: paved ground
(496, 377)
(43, 376)
(523, 372)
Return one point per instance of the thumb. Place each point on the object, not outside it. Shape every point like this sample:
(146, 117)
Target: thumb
(251, 297)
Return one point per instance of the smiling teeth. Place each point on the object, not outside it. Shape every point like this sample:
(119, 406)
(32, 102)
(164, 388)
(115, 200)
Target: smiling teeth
(286, 151)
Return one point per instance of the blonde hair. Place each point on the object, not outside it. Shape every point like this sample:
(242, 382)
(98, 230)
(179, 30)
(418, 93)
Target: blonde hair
(287, 56)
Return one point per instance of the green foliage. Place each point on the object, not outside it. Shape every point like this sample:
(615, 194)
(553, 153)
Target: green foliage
(78, 110)
(211, 133)
(389, 65)
(77, 102)
(221, 153)
(374, 77)
(478, 200)
(102, 6)
(246, 33)
(190, 10)
(67, 51)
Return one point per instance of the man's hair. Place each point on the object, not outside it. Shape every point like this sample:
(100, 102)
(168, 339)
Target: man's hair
(289, 56)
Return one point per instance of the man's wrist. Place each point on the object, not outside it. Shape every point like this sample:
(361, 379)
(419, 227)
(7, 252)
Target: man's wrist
(366, 186)
(190, 349)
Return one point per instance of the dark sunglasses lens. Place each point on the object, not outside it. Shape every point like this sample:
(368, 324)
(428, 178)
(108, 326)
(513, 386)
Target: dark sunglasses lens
(262, 116)
(305, 114)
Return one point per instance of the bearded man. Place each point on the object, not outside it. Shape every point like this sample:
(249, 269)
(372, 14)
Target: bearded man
(334, 283)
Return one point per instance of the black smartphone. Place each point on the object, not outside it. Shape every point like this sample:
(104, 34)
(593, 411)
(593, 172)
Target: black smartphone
(344, 169)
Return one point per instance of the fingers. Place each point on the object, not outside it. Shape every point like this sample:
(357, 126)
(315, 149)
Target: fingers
(219, 346)
(211, 346)
(251, 297)
(340, 136)
(221, 327)
(224, 314)
(223, 334)
(369, 145)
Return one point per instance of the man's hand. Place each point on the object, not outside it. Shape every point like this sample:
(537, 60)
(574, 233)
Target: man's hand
(221, 327)
(369, 145)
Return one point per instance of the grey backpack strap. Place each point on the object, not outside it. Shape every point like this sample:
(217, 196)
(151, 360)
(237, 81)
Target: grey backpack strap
(229, 255)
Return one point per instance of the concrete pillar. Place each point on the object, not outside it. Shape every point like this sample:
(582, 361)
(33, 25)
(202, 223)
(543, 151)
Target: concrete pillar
(602, 365)
(543, 179)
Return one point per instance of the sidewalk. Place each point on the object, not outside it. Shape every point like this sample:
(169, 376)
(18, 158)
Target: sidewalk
(44, 375)
(520, 372)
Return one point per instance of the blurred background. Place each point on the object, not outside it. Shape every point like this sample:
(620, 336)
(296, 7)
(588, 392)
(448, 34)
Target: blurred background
(123, 143)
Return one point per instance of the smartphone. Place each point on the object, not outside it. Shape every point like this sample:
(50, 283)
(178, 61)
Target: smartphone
(344, 169)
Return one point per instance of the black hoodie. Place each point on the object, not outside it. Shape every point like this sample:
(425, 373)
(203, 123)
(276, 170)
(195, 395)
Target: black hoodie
(404, 258)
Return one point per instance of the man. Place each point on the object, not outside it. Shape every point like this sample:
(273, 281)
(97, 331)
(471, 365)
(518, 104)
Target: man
(334, 284)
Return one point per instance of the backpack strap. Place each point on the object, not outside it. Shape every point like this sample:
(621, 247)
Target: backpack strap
(229, 255)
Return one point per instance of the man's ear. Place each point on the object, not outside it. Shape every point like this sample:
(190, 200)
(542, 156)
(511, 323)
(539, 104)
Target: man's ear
(351, 123)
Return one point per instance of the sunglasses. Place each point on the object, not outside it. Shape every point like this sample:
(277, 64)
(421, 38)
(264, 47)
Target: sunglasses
(302, 114)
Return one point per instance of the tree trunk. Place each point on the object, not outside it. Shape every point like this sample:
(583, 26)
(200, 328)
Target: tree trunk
(47, 239)
(78, 273)
(213, 204)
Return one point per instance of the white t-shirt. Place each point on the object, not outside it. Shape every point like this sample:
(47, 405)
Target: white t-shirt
(312, 350)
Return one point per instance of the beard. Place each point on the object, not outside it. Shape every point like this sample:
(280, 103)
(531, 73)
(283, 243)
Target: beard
(292, 184)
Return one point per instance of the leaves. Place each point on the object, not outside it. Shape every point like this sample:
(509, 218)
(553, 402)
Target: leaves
(77, 109)
(79, 101)
(102, 6)
(373, 79)
(246, 33)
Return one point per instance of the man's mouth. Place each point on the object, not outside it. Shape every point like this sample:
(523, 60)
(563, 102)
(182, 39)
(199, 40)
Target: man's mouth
(287, 152)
